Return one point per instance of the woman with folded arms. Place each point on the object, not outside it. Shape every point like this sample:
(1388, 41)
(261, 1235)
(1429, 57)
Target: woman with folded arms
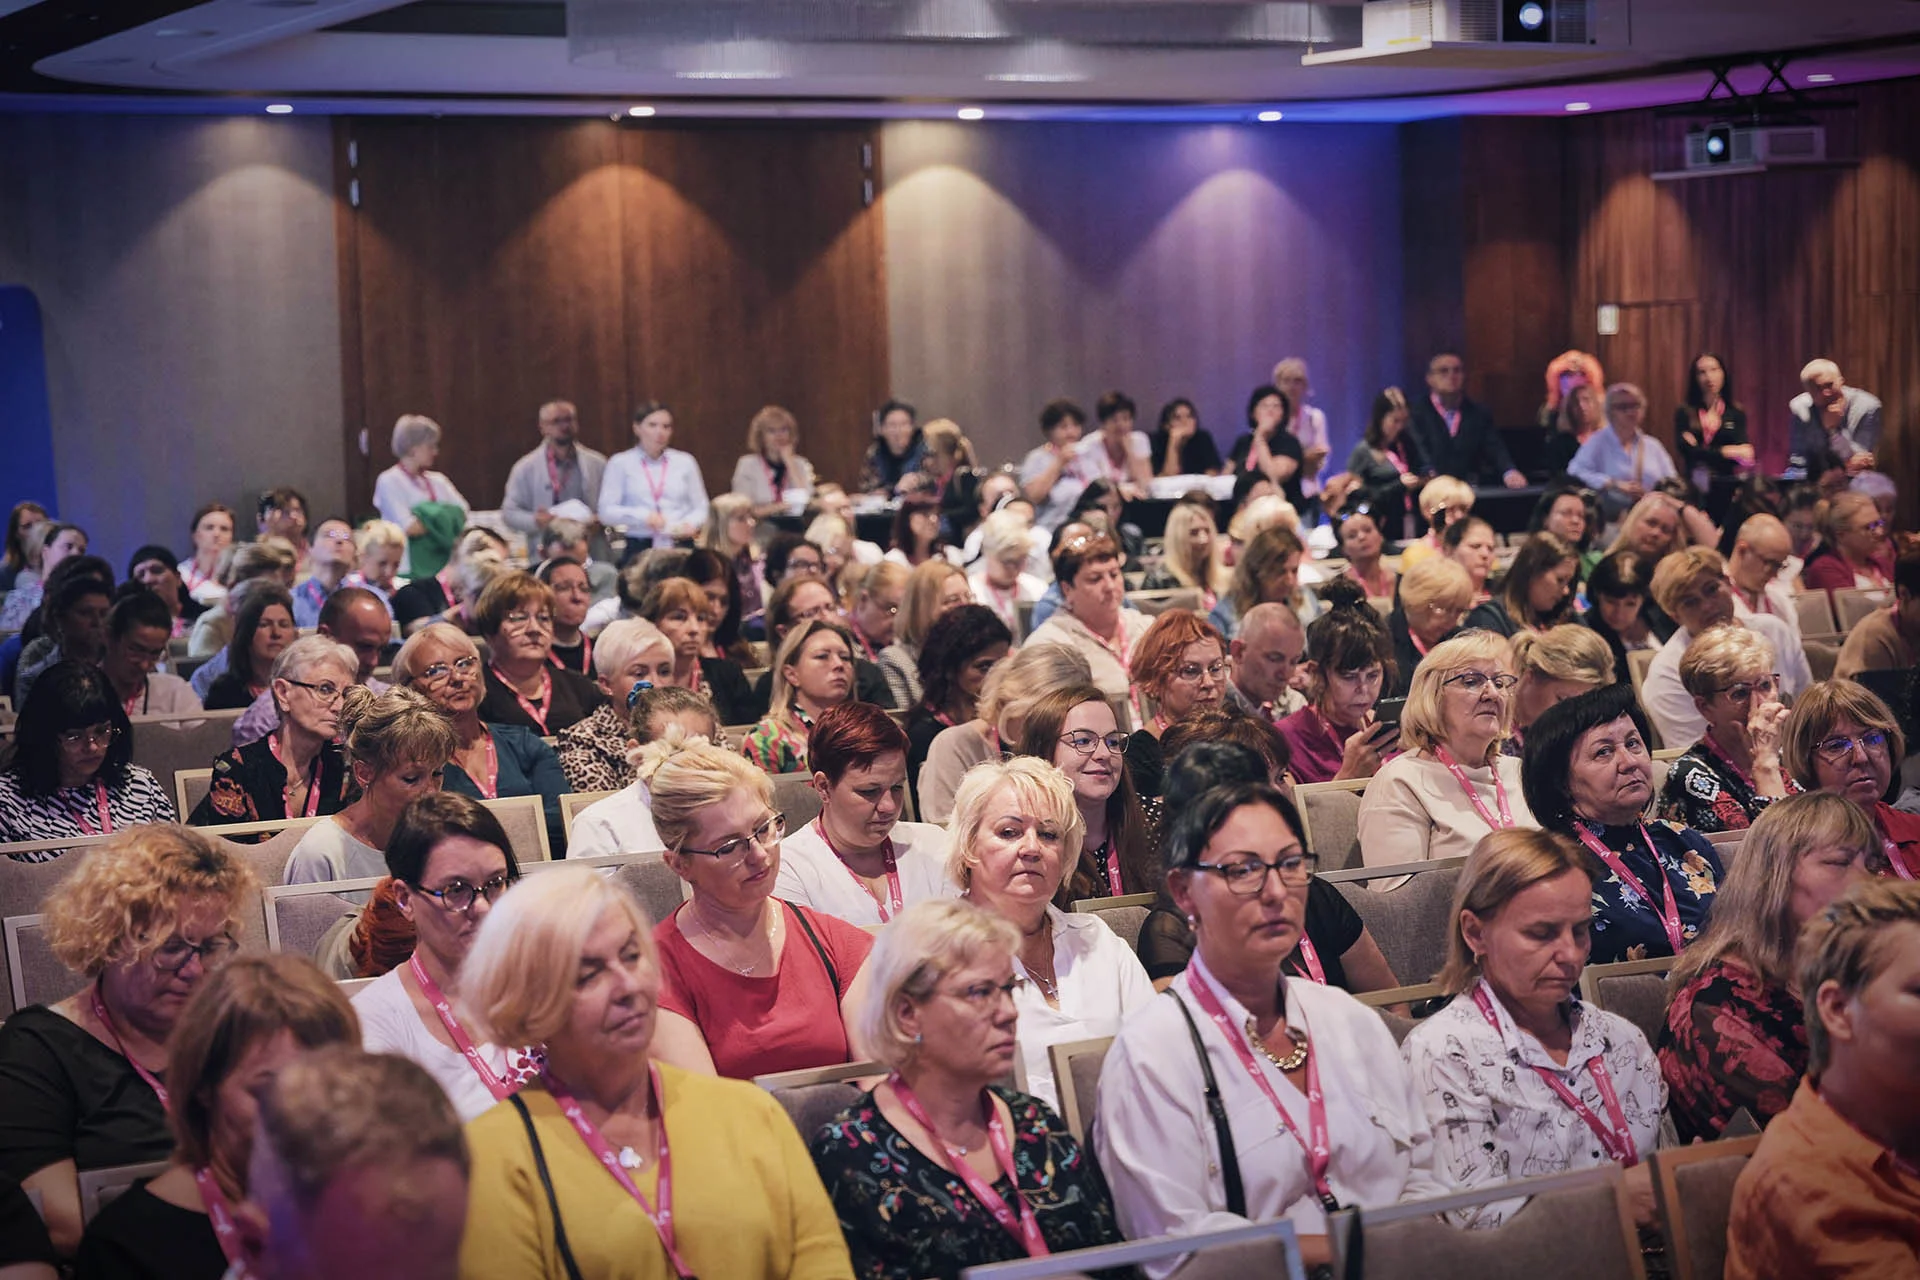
(143, 918)
(1009, 692)
(631, 653)
(1736, 1033)
(298, 770)
(623, 822)
(1290, 1058)
(1725, 780)
(812, 674)
(961, 650)
(750, 985)
(1181, 663)
(857, 860)
(941, 1016)
(1016, 833)
(682, 612)
(244, 1023)
(1842, 739)
(1349, 662)
(617, 1164)
(1074, 730)
(72, 772)
(1518, 1078)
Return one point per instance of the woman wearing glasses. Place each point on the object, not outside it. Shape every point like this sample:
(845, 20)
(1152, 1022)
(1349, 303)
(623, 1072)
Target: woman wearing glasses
(1074, 729)
(749, 984)
(143, 918)
(514, 615)
(298, 770)
(70, 774)
(1842, 739)
(939, 1168)
(1349, 663)
(450, 862)
(1180, 663)
(1723, 781)
(1854, 551)
(630, 653)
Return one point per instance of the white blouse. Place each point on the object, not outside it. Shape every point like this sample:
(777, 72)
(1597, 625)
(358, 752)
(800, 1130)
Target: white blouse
(620, 823)
(1026, 589)
(1415, 810)
(628, 494)
(396, 494)
(389, 1023)
(812, 875)
(1100, 980)
(1156, 1140)
(1494, 1119)
(1110, 672)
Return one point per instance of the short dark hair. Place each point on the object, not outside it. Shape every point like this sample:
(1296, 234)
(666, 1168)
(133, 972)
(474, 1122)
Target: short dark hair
(1550, 742)
(1204, 765)
(1172, 407)
(1114, 403)
(852, 735)
(1349, 635)
(1197, 822)
(1621, 574)
(895, 406)
(434, 817)
(1260, 393)
(68, 695)
(646, 409)
(343, 599)
(278, 498)
(72, 591)
(780, 549)
(152, 551)
(138, 608)
(1456, 533)
(1058, 411)
(953, 640)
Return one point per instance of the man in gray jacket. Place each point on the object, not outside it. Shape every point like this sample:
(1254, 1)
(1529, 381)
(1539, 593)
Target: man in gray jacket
(561, 469)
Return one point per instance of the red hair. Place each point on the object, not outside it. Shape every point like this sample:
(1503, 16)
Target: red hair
(1157, 653)
(852, 736)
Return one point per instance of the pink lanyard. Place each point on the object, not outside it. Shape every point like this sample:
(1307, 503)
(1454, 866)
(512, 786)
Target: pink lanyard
(1111, 858)
(1310, 959)
(894, 901)
(1318, 1147)
(1451, 418)
(1669, 908)
(445, 579)
(586, 656)
(1025, 1229)
(1505, 819)
(693, 677)
(553, 474)
(191, 575)
(498, 1087)
(489, 786)
(106, 818)
(661, 1218)
(286, 791)
(938, 714)
(1899, 863)
(104, 1019)
(1614, 1133)
(421, 479)
(860, 634)
(657, 488)
(1714, 751)
(225, 1229)
(534, 712)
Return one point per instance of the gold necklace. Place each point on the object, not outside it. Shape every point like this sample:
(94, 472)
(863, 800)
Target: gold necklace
(1294, 1060)
(720, 945)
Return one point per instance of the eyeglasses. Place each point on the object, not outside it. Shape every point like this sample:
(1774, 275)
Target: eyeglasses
(1875, 527)
(1475, 681)
(325, 691)
(1193, 670)
(1836, 750)
(764, 837)
(1744, 690)
(1246, 877)
(99, 735)
(174, 953)
(1085, 740)
(440, 671)
(458, 895)
(982, 996)
(520, 618)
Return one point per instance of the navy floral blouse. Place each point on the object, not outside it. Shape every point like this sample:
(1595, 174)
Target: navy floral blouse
(1627, 926)
(906, 1218)
(1731, 1041)
(1705, 792)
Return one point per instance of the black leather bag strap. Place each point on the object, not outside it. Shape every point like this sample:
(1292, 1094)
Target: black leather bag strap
(546, 1182)
(833, 974)
(1222, 1132)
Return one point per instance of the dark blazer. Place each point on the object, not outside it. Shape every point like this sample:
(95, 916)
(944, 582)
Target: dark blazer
(1477, 455)
(728, 690)
(1694, 453)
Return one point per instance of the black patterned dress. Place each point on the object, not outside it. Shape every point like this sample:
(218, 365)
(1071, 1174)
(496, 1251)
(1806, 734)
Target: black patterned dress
(1707, 792)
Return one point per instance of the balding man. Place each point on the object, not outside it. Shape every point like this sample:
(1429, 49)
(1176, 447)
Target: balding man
(355, 617)
(1761, 571)
(560, 470)
(1269, 645)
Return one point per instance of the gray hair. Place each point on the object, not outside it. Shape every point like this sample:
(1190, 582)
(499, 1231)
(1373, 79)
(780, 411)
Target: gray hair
(1004, 531)
(308, 652)
(413, 430)
(405, 661)
(919, 947)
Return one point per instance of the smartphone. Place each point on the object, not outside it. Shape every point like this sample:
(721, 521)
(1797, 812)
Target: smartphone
(1387, 710)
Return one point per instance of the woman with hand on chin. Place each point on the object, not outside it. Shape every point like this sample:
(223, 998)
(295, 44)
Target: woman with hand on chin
(514, 615)
(1725, 780)
(772, 465)
(939, 1168)
(1181, 663)
(631, 653)
(616, 1164)
(1518, 1077)
(857, 860)
(812, 673)
(1349, 661)
(1074, 730)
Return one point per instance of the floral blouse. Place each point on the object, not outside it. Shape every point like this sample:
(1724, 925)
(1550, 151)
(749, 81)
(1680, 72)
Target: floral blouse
(906, 1218)
(1731, 1041)
(1628, 927)
(1704, 791)
(775, 747)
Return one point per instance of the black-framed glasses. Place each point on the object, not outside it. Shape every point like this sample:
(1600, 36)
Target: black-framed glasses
(1475, 681)
(326, 690)
(981, 996)
(173, 954)
(765, 837)
(1743, 690)
(458, 895)
(1245, 877)
(440, 671)
(1085, 740)
(99, 735)
(1836, 749)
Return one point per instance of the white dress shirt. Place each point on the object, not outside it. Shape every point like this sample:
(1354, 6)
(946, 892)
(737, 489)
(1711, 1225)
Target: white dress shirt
(390, 1024)
(627, 494)
(1415, 810)
(1669, 705)
(621, 823)
(812, 875)
(1494, 1119)
(1156, 1140)
(1100, 981)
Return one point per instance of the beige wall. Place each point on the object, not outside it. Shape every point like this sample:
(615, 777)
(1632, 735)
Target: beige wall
(186, 272)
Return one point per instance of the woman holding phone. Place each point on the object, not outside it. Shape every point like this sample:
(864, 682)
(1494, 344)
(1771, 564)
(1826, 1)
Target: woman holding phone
(1337, 735)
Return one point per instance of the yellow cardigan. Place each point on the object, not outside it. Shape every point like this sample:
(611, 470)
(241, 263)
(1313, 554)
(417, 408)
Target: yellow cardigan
(747, 1203)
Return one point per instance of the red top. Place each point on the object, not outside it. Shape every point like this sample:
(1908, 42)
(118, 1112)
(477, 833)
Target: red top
(757, 1026)
(1902, 830)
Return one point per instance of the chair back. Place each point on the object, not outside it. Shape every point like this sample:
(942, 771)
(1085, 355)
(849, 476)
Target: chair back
(34, 974)
(795, 798)
(525, 821)
(1124, 914)
(1693, 1187)
(300, 915)
(1852, 605)
(190, 787)
(1815, 610)
(1269, 1250)
(1638, 660)
(1411, 923)
(734, 736)
(101, 1187)
(814, 1096)
(1634, 989)
(1155, 603)
(573, 802)
(1330, 812)
(1076, 1075)
(166, 745)
(645, 875)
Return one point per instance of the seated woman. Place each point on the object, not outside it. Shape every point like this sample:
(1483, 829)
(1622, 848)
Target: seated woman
(916, 532)
(566, 961)
(1554, 665)
(1723, 781)
(895, 451)
(962, 647)
(397, 744)
(631, 653)
(1736, 1033)
(1362, 542)
(1435, 598)
(623, 822)
(812, 673)
(1537, 592)
(1016, 833)
(262, 629)
(1092, 619)
(136, 644)
(1387, 465)
(514, 615)
(1621, 609)
(1265, 571)
(1075, 731)
(244, 1023)
(1271, 1046)
(1452, 785)
(1190, 539)
(941, 1016)
(143, 918)
(298, 770)
(379, 546)
(934, 588)
(489, 760)
(1349, 661)
(857, 860)
(1180, 663)
(1842, 739)
(1099, 507)
(1444, 502)
(1471, 544)
(875, 600)
(750, 985)
(71, 773)
(1562, 511)
(1587, 770)
(1008, 693)
(570, 648)
(1854, 550)
(1000, 579)
(810, 598)
(681, 610)
(73, 628)
(450, 862)
(772, 466)
(1517, 1077)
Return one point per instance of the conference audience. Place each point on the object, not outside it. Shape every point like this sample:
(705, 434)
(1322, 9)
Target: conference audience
(1180, 663)
(212, 535)
(1190, 540)
(1000, 578)
(137, 632)
(1655, 527)
(1724, 781)
(1306, 423)
(631, 654)
(72, 774)
(772, 471)
(1574, 422)
(269, 562)
(874, 612)
(1690, 586)
(1116, 452)
(570, 648)
(1710, 428)
(1888, 638)
(1361, 541)
(681, 611)
(1457, 436)
(242, 1025)
(1619, 591)
(1537, 591)
(1265, 571)
(657, 494)
(21, 521)
(1552, 666)
(916, 536)
(356, 618)
(1349, 662)
(142, 919)
(941, 1016)
(962, 647)
(378, 546)
(812, 673)
(436, 597)
(933, 588)
(47, 544)
(1588, 771)
(1735, 1034)
(623, 821)
(1008, 694)
(1075, 731)
(1842, 739)
(1016, 834)
(1263, 661)
(298, 770)
(1052, 474)
(1835, 426)
(1386, 464)
(514, 615)
(1621, 460)
(1435, 597)
(263, 627)
(729, 534)
(73, 627)
(1472, 544)
(896, 449)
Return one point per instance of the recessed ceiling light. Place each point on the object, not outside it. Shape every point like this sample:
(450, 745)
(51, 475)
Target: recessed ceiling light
(183, 33)
(279, 108)
(971, 113)
(639, 112)
(1267, 117)
(1579, 106)
(1820, 77)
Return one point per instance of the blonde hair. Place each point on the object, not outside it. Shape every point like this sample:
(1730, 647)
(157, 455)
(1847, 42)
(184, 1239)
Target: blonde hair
(378, 533)
(1442, 492)
(517, 982)
(1848, 944)
(1038, 788)
(1005, 531)
(922, 602)
(1290, 365)
(1423, 720)
(827, 530)
(780, 704)
(1260, 515)
(770, 417)
(126, 896)
(1014, 685)
(1180, 560)
(685, 774)
(919, 947)
(1821, 368)
(1680, 571)
(722, 510)
(1822, 705)
(1630, 524)
(443, 632)
(943, 436)
(1718, 656)
(1566, 652)
(1503, 865)
(623, 640)
(1841, 510)
(401, 726)
(476, 572)
(1436, 581)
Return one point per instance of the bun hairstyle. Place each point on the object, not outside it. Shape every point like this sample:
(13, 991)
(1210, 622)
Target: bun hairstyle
(401, 726)
(670, 701)
(1348, 636)
(685, 773)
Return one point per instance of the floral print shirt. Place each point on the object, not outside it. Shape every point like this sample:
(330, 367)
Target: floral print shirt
(1704, 791)
(1628, 927)
(1731, 1041)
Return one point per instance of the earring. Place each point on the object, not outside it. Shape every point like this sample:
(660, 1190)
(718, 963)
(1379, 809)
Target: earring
(918, 1038)
(1193, 923)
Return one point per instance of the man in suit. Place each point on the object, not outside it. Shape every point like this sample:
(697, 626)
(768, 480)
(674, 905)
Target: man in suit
(1457, 437)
